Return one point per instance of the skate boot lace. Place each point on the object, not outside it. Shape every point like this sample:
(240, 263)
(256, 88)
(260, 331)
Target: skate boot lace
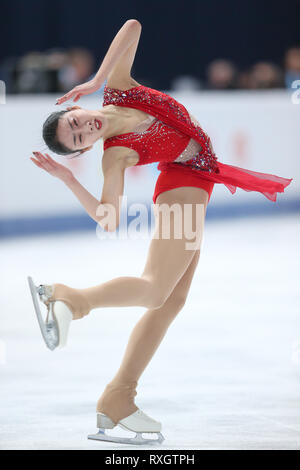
(45, 293)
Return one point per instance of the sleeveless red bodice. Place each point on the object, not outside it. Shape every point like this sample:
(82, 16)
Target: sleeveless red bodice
(169, 135)
(157, 142)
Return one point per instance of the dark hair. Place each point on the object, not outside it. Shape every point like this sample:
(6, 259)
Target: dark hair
(50, 137)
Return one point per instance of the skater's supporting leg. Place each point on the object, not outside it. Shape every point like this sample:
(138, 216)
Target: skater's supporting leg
(167, 261)
(117, 400)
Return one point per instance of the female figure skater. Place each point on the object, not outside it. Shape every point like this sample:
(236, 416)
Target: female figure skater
(138, 125)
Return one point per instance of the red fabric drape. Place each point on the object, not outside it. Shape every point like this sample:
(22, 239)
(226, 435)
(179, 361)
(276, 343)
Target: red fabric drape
(234, 177)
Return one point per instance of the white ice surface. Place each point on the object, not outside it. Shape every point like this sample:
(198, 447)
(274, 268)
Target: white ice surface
(226, 376)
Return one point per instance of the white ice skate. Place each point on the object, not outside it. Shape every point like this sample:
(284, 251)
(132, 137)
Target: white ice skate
(137, 422)
(55, 327)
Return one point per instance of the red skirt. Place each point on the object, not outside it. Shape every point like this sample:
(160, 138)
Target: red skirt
(176, 177)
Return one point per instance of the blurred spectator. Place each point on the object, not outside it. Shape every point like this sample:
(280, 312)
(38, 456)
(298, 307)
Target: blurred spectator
(221, 75)
(243, 79)
(55, 61)
(79, 69)
(185, 82)
(37, 72)
(7, 73)
(31, 74)
(48, 72)
(59, 70)
(292, 66)
(265, 75)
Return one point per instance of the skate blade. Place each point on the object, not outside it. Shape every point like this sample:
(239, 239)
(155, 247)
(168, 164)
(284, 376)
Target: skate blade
(137, 440)
(49, 331)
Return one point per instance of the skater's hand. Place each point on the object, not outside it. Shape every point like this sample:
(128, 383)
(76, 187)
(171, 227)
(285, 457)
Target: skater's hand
(85, 89)
(51, 166)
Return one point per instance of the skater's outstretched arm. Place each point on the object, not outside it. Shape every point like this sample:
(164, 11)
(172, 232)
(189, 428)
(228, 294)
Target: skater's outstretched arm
(107, 211)
(45, 162)
(116, 65)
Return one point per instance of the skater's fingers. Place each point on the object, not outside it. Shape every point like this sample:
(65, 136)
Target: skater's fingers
(43, 163)
(41, 158)
(66, 97)
(38, 155)
(50, 161)
(36, 162)
(77, 97)
(47, 166)
(49, 158)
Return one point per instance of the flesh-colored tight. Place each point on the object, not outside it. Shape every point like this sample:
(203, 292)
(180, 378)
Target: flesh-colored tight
(162, 289)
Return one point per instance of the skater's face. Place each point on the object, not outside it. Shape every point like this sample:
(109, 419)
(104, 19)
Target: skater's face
(79, 128)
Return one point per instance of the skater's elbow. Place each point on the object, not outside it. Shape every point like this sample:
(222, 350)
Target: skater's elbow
(107, 226)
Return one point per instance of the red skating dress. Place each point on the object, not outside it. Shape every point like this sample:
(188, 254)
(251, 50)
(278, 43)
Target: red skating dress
(182, 148)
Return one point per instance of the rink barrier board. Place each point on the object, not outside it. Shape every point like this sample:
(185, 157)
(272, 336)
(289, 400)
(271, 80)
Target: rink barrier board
(257, 130)
(27, 226)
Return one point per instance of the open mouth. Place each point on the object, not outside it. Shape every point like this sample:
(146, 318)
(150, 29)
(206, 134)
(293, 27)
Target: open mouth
(98, 124)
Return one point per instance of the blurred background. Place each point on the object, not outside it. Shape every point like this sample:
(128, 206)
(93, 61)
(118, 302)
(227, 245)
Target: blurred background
(51, 46)
(232, 65)
(236, 67)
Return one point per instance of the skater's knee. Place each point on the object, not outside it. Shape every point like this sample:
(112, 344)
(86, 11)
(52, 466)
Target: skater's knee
(173, 305)
(157, 296)
(177, 301)
(169, 298)
(156, 302)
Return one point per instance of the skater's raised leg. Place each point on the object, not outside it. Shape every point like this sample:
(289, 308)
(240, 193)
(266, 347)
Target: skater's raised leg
(163, 269)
